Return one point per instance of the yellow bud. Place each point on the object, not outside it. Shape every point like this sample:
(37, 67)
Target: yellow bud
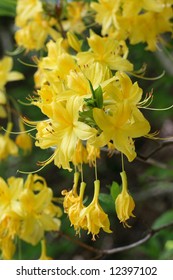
(124, 203)
(73, 41)
(24, 142)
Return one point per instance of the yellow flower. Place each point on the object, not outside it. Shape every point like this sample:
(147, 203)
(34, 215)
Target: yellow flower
(80, 154)
(92, 154)
(70, 196)
(120, 127)
(9, 194)
(73, 41)
(7, 145)
(63, 131)
(122, 90)
(24, 142)
(75, 14)
(34, 34)
(124, 203)
(73, 204)
(7, 247)
(93, 216)
(75, 209)
(36, 217)
(26, 211)
(6, 75)
(26, 10)
(106, 13)
(56, 65)
(107, 51)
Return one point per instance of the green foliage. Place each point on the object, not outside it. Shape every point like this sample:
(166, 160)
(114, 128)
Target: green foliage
(115, 190)
(164, 219)
(8, 8)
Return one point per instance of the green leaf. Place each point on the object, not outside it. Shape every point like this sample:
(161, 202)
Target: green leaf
(8, 8)
(164, 219)
(115, 190)
(107, 202)
(99, 97)
(92, 90)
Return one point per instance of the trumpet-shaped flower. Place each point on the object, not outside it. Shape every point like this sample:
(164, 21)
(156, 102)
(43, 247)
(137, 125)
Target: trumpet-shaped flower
(106, 13)
(24, 142)
(73, 204)
(75, 14)
(26, 211)
(26, 11)
(94, 216)
(107, 51)
(122, 90)
(7, 145)
(6, 75)
(71, 196)
(124, 203)
(121, 127)
(64, 131)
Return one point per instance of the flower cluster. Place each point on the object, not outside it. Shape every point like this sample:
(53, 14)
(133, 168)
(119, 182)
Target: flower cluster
(89, 102)
(91, 217)
(26, 212)
(132, 20)
(7, 145)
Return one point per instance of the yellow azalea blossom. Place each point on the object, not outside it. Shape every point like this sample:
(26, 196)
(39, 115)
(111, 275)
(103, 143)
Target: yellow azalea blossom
(80, 154)
(124, 203)
(75, 14)
(24, 142)
(3, 113)
(123, 91)
(55, 66)
(74, 42)
(36, 220)
(121, 127)
(132, 19)
(78, 81)
(73, 204)
(7, 247)
(93, 216)
(26, 11)
(106, 13)
(160, 24)
(34, 25)
(9, 194)
(34, 34)
(7, 145)
(75, 209)
(133, 7)
(71, 196)
(26, 211)
(6, 75)
(92, 154)
(107, 51)
(63, 131)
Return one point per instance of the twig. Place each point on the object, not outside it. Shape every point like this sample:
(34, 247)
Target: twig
(101, 253)
(141, 241)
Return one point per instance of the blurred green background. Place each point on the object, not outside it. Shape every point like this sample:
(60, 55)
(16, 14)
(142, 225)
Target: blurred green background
(150, 177)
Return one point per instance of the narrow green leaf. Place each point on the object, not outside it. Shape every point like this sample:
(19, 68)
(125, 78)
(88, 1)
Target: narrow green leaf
(99, 97)
(92, 90)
